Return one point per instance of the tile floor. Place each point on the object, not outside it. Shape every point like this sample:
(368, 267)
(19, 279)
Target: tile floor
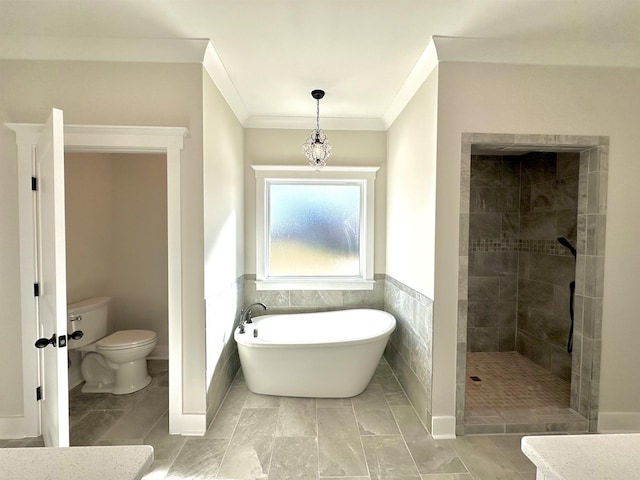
(515, 395)
(376, 435)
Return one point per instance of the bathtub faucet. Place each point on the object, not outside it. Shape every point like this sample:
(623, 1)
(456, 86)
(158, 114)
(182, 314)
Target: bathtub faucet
(245, 315)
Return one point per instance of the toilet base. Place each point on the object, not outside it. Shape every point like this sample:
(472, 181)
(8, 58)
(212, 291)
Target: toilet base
(130, 388)
(127, 378)
(109, 388)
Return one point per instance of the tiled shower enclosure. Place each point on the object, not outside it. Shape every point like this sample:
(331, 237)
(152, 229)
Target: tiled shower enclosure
(519, 273)
(519, 194)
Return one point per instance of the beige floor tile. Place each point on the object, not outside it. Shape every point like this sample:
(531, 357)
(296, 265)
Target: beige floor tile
(483, 459)
(388, 458)
(165, 446)
(141, 418)
(294, 458)
(297, 418)
(447, 476)
(199, 459)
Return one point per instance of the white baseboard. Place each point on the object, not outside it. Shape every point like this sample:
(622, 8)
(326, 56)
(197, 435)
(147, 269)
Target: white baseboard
(11, 427)
(159, 353)
(188, 424)
(618, 422)
(443, 428)
(74, 382)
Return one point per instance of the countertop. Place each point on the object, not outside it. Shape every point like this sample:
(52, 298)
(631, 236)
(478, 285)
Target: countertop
(585, 457)
(129, 462)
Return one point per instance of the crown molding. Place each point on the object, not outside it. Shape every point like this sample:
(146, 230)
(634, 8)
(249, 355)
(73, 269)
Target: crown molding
(439, 49)
(535, 52)
(309, 123)
(427, 62)
(218, 73)
(95, 49)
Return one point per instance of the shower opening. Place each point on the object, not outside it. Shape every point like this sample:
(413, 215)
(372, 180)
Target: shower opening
(528, 232)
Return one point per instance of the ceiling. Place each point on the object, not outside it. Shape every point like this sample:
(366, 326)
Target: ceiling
(272, 53)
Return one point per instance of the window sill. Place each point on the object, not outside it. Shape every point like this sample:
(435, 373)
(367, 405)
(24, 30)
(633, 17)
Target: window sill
(294, 284)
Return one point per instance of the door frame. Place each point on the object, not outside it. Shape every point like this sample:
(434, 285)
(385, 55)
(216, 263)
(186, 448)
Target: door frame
(106, 139)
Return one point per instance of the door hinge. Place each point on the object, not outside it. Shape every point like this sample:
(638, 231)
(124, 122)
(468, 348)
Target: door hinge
(34, 184)
(36, 289)
(38, 393)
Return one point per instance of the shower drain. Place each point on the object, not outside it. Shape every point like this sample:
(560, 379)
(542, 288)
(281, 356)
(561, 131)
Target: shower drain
(475, 378)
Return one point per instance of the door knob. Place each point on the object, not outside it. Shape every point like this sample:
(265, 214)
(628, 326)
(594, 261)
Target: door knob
(43, 342)
(77, 335)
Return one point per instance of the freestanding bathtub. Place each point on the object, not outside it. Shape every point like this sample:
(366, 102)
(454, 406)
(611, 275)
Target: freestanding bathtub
(324, 354)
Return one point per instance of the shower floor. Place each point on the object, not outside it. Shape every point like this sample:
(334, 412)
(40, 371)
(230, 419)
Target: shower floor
(512, 394)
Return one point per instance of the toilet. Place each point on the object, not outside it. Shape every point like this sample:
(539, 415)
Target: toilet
(115, 363)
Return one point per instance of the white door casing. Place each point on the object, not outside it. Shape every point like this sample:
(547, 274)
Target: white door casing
(113, 139)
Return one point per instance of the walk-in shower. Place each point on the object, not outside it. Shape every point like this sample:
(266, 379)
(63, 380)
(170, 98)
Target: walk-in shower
(523, 251)
(518, 324)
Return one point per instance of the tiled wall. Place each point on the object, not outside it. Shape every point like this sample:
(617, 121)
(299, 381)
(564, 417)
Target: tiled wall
(298, 301)
(493, 257)
(548, 210)
(587, 341)
(224, 304)
(409, 351)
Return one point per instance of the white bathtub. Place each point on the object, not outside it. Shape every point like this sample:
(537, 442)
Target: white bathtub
(324, 354)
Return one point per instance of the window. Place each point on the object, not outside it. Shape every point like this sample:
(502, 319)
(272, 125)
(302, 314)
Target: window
(314, 230)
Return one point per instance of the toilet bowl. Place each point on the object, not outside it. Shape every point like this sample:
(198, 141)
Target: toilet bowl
(115, 363)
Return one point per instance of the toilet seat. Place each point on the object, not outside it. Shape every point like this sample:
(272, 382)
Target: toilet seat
(125, 339)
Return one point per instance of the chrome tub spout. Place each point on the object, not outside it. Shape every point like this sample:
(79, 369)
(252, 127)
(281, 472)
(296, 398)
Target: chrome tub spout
(245, 315)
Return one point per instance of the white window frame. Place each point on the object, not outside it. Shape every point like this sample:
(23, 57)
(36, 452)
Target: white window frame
(265, 175)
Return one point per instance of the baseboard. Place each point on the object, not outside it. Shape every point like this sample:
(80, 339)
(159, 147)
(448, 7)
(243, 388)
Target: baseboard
(11, 427)
(73, 383)
(618, 422)
(188, 424)
(443, 428)
(159, 353)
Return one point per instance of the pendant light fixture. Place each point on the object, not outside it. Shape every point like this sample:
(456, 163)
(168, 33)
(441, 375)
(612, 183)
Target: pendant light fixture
(317, 147)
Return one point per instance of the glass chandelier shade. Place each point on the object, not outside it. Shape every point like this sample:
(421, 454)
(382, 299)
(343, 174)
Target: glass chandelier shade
(317, 147)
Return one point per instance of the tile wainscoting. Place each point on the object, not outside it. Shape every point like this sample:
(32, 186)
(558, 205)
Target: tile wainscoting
(409, 351)
(224, 303)
(301, 301)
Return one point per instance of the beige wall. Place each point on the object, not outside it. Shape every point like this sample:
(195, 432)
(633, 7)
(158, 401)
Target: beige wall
(284, 147)
(104, 93)
(552, 100)
(88, 206)
(223, 239)
(116, 215)
(138, 281)
(411, 191)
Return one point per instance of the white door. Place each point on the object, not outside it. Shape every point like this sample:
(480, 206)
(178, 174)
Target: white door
(52, 282)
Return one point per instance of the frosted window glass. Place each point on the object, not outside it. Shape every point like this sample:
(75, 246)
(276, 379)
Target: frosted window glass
(314, 230)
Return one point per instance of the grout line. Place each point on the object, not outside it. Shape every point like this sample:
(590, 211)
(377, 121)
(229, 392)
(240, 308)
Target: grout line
(404, 440)
(317, 441)
(235, 427)
(355, 417)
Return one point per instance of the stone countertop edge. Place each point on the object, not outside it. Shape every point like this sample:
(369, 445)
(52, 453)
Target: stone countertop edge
(582, 457)
(128, 462)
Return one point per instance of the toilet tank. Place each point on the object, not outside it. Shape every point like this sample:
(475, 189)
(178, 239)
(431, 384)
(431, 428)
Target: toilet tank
(89, 316)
